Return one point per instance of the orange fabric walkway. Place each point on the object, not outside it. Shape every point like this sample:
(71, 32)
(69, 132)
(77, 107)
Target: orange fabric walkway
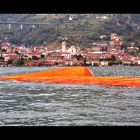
(79, 75)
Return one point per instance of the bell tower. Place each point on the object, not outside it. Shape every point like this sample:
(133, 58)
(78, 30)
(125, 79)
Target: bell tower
(63, 46)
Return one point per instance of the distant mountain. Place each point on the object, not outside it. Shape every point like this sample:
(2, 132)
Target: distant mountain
(81, 29)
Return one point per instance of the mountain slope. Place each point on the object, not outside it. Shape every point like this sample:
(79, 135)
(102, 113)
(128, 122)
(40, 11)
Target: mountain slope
(82, 29)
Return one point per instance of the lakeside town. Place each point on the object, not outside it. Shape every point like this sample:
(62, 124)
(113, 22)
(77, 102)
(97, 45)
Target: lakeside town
(102, 53)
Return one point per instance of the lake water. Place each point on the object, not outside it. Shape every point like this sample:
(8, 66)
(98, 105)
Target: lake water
(49, 104)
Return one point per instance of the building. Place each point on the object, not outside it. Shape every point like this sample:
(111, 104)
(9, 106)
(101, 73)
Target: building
(104, 63)
(72, 50)
(63, 47)
(95, 62)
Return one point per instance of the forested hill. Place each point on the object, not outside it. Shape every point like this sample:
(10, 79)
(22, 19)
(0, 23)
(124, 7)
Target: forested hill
(81, 29)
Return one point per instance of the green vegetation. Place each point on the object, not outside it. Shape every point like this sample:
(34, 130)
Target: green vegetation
(134, 53)
(95, 64)
(82, 30)
(15, 61)
(114, 63)
(113, 58)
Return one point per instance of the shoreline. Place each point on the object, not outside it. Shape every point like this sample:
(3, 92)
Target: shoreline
(78, 66)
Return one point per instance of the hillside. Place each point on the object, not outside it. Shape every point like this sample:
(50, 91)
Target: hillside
(82, 29)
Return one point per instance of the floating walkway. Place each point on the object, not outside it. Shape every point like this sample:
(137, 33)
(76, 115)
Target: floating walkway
(76, 75)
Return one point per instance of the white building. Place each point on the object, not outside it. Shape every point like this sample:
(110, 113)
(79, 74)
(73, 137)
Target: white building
(72, 50)
(63, 47)
(70, 18)
(104, 63)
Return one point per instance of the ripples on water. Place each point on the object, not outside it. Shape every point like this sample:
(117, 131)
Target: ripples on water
(49, 104)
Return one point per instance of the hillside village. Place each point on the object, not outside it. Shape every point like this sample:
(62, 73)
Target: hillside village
(101, 53)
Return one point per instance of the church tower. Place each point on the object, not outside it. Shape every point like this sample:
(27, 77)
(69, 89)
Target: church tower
(63, 46)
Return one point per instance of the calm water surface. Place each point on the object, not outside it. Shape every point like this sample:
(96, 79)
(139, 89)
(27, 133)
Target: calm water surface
(49, 104)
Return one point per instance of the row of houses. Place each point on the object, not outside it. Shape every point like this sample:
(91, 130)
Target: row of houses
(40, 55)
(99, 53)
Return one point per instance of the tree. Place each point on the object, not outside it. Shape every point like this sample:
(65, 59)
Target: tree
(9, 61)
(113, 58)
(42, 56)
(35, 57)
(44, 43)
(20, 62)
(79, 57)
(1, 50)
(13, 61)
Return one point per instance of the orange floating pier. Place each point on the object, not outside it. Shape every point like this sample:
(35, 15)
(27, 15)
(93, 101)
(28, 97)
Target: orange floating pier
(76, 75)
